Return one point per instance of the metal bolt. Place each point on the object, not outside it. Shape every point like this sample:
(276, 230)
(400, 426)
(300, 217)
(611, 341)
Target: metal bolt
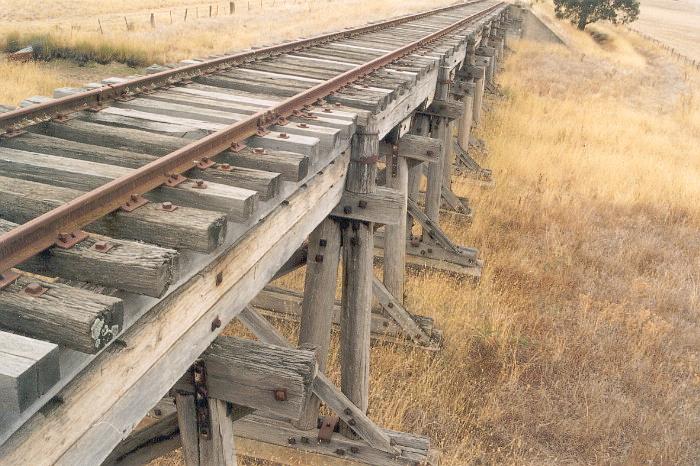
(362, 204)
(304, 440)
(158, 412)
(199, 182)
(351, 422)
(283, 136)
(347, 209)
(303, 125)
(101, 246)
(319, 258)
(34, 289)
(281, 394)
(338, 104)
(430, 250)
(327, 110)
(390, 305)
(225, 166)
(216, 323)
(340, 452)
(259, 150)
(354, 450)
(291, 440)
(322, 243)
(135, 197)
(385, 323)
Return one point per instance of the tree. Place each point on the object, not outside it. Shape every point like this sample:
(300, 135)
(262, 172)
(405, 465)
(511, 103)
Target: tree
(584, 12)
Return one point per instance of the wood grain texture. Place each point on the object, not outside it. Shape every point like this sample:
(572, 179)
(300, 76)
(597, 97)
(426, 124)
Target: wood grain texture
(129, 265)
(167, 339)
(247, 373)
(78, 319)
(237, 203)
(317, 305)
(184, 228)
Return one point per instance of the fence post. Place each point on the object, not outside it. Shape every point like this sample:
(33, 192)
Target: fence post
(185, 15)
(100, 24)
(153, 21)
(231, 8)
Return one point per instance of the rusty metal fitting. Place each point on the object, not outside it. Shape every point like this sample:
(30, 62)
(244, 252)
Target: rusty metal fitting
(259, 150)
(168, 206)
(216, 323)
(101, 246)
(303, 125)
(281, 394)
(362, 204)
(34, 289)
(347, 209)
(283, 136)
(199, 184)
(323, 243)
(225, 167)
(319, 258)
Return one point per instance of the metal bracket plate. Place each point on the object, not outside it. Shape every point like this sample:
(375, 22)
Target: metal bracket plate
(328, 425)
(201, 398)
(68, 240)
(134, 203)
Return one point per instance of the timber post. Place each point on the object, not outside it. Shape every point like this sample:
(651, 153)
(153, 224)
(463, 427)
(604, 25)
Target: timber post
(395, 242)
(358, 254)
(441, 127)
(317, 305)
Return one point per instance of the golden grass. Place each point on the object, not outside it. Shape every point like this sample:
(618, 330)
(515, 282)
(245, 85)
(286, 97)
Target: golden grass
(77, 33)
(581, 344)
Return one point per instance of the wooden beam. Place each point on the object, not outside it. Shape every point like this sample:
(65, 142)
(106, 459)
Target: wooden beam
(413, 146)
(264, 182)
(28, 369)
(76, 318)
(435, 170)
(382, 206)
(444, 108)
(237, 203)
(96, 413)
(249, 373)
(286, 304)
(323, 387)
(183, 228)
(127, 265)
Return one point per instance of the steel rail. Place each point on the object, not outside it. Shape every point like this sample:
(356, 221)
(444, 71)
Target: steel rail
(32, 237)
(16, 119)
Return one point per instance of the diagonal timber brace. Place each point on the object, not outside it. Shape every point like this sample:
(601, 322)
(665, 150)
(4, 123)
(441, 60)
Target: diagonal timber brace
(323, 387)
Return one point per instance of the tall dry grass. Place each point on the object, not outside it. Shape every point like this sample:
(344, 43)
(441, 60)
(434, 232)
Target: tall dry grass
(581, 343)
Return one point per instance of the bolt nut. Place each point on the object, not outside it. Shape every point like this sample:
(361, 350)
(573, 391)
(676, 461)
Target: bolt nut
(390, 305)
(291, 440)
(348, 411)
(340, 452)
(347, 209)
(281, 394)
(101, 246)
(283, 136)
(354, 450)
(303, 125)
(34, 289)
(319, 258)
(216, 323)
(362, 204)
(351, 422)
(259, 150)
(304, 440)
(323, 243)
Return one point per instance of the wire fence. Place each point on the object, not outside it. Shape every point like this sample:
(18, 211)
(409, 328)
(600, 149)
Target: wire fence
(679, 56)
(142, 21)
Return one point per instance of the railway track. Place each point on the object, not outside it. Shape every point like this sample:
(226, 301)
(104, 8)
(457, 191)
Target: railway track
(140, 215)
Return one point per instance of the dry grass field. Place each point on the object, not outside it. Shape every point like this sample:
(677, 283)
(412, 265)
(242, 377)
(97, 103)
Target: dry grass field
(581, 344)
(674, 22)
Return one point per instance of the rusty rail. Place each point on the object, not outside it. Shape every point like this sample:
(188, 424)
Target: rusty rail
(36, 235)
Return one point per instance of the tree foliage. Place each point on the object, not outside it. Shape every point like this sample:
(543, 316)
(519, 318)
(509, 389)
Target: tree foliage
(584, 12)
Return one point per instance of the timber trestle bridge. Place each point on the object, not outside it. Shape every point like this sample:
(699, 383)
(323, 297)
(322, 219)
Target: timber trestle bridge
(139, 216)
